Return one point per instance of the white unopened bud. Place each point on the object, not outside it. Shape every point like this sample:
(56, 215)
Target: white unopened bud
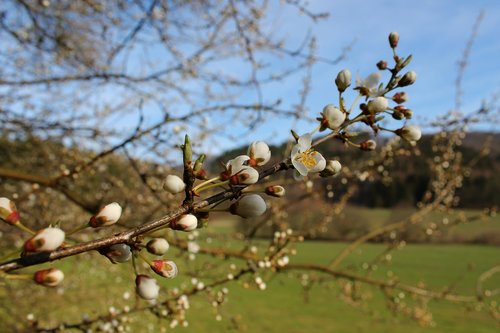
(332, 168)
(259, 153)
(245, 176)
(275, 191)
(343, 80)
(146, 287)
(49, 277)
(187, 222)
(333, 118)
(8, 211)
(45, 240)
(251, 205)
(157, 246)
(165, 268)
(408, 79)
(410, 133)
(174, 184)
(378, 104)
(393, 39)
(108, 215)
(368, 145)
(117, 253)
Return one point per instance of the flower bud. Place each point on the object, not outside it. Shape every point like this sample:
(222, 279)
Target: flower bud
(382, 65)
(408, 113)
(368, 145)
(165, 268)
(393, 39)
(45, 240)
(343, 80)
(400, 97)
(117, 253)
(377, 105)
(275, 191)
(251, 205)
(146, 287)
(408, 79)
(173, 184)
(332, 168)
(333, 118)
(157, 246)
(245, 176)
(8, 211)
(410, 133)
(187, 222)
(108, 215)
(259, 153)
(49, 277)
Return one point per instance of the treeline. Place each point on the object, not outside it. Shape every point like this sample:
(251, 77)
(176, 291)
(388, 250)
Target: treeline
(410, 175)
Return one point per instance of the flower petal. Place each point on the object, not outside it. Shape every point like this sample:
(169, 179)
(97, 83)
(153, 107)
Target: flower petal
(304, 142)
(320, 163)
(300, 167)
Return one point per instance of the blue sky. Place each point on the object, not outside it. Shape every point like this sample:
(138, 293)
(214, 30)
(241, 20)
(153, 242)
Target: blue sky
(435, 32)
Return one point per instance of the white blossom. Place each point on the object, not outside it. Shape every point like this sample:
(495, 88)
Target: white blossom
(158, 246)
(187, 222)
(377, 105)
(146, 287)
(173, 184)
(333, 118)
(240, 172)
(251, 205)
(45, 240)
(8, 211)
(49, 277)
(370, 85)
(108, 215)
(410, 133)
(304, 158)
(259, 153)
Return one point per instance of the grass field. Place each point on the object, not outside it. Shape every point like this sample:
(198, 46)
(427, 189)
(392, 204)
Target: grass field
(92, 286)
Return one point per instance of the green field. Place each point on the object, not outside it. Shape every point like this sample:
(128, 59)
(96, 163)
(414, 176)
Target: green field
(92, 286)
(283, 306)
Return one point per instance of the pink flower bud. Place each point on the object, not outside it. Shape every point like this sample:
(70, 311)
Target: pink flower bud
(49, 277)
(108, 215)
(187, 222)
(8, 211)
(45, 240)
(146, 287)
(259, 153)
(165, 268)
(173, 184)
(251, 205)
(157, 246)
(275, 191)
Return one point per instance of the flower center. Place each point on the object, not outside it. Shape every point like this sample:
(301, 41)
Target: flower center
(307, 158)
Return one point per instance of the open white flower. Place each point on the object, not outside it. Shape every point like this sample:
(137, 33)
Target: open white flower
(45, 240)
(108, 215)
(259, 153)
(147, 287)
(370, 85)
(304, 158)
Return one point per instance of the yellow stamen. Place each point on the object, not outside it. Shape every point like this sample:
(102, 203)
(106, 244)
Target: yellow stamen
(307, 158)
